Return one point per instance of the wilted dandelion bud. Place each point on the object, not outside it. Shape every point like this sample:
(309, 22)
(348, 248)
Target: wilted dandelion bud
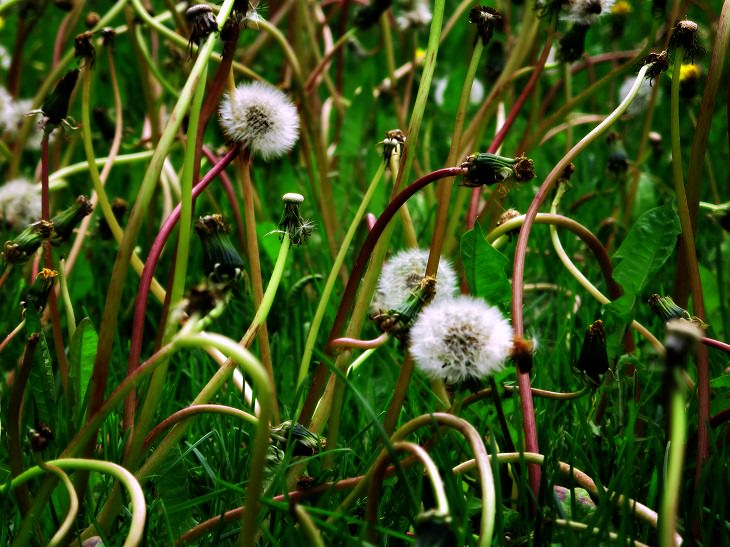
(55, 109)
(397, 321)
(403, 272)
(618, 159)
(689, 79)
(20, 249)
(20, 203)
(684, 36)
(304, 442)
(84, 50)
(40, 437)
(221, 261)
(485, 169)
(485, 19)
(593, 359)
(37, 294)
(65, 221)
(572, 44)
(682, 335)
(292, 222)
(260, 117)
(202, 23)
(393, 144)
(433, 529)
(460, 339)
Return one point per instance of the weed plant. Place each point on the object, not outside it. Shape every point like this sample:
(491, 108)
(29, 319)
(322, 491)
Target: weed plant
(197, 200)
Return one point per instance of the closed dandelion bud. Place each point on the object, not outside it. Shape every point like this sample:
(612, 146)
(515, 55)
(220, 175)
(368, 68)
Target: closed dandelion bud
(202, 23)
(460, 339)
(84, 49)
(65, 221)
(37, 294)
(485, 169)
(666, 309)
(618, 159)
(55, 108)
(593, 359)
(19, 250)
(20, 203)
(260, 117)
(398, 321)
(682, 336)
(92, 19)
(119, 209)
(433, 529)
(689, 79)
(303, 442)
(486, 20)
(221, 261)
(655, 141)
(292, 222)
(403, 272)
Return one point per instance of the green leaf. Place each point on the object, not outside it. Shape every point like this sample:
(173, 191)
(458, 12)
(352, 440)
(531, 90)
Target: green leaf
(485, 268)
(41, 380)
(82, 352)
(647, 246)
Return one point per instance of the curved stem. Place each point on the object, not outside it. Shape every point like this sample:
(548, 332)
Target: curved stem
(375, 488)
(136, 495)
(528, 414)
(73, 505)
(353, 343)
(192, 410)
(83, 166)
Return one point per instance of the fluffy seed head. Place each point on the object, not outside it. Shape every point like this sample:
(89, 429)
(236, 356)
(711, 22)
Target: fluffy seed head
(459, 339)
(20, 203)
(403, 272)
(587, 12)
(260, 117)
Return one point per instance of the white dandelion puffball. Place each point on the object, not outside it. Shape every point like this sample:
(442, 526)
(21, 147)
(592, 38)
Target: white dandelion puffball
(403, 272)
(260, 117)
(20, 203)
(642, 98)
(460, 338)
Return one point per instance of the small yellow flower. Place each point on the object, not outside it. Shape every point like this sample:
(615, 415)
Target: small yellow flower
(689, 72)
(622, 8)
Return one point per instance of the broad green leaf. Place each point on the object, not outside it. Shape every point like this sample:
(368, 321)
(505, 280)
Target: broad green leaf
(485, 268)
(647, 246)
(82, 352)
(268, 240)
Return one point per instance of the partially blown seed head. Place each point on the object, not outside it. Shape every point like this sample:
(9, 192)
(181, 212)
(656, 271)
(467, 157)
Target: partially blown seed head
(460, 339)
(262, 118)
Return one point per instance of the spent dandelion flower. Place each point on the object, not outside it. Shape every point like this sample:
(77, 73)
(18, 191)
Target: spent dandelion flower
(586, 12)
(460, 339)
(403, 272)
(261, 117)
(20, 203)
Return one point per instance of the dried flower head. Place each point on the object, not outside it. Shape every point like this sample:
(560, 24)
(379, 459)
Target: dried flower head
(487, 169)
(202, 24)
(486, 20)
(20, 203)
(658, 63)
(460, 339)
(260, 117)
(292, 222)
(84, 49)
(593, 359)
(393, 144)
(684, 36)
(403, 272)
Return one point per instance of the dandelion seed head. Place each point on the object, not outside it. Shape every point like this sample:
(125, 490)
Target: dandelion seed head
(260, 117)
(586, 12)
(20, 203)
(461, 338)
(403, 272)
